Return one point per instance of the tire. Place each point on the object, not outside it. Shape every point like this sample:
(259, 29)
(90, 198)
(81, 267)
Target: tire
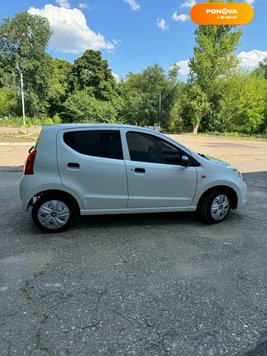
(215, 206)
(54, 213)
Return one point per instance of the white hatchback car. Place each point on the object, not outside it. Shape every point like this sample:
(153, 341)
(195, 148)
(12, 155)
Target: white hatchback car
(93, 169)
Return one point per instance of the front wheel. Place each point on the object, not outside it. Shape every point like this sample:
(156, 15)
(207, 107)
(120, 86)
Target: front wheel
(215, 207)
(53, 213)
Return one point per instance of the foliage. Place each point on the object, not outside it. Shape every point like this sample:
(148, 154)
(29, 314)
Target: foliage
(213, 59)
(213, 54)
(23, 41)
(30, 121)
(92, 73)
(243, 106)
(59, 85)
(195, 105)
(262, 69)
(8, 102)
(148, 97)
(82, 107)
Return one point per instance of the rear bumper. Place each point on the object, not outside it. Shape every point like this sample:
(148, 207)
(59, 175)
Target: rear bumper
(25, 191)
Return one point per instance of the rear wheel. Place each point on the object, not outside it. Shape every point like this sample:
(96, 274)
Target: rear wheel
(215, 206)
(53, 213)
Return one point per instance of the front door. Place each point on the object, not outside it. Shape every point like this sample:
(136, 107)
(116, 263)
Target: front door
(155, 177)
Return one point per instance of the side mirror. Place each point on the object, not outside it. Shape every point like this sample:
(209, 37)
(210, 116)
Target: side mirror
(184, 161)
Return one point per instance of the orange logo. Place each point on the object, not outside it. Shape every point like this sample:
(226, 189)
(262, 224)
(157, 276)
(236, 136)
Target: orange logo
(222, 13)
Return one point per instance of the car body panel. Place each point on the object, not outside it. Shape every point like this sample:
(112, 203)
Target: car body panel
(160, 185)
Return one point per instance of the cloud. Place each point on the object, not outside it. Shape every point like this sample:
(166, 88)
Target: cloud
(250, 60)
(133, 4)
(189, 3)
(162, 24)
(63, 3)
(116, 76)
(250, 2)
(183, 67)
(181, 17)
(84, 6)
(71, 33)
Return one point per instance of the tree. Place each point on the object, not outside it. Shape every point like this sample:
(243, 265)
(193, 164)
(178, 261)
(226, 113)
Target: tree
(59, 85)
(81, 106)
(213, 58)
(195, 105)
(149, 96)
(90, 71)
(243, 106)
(23, 41)
(262, 69)
(8, 102)
(261, 72)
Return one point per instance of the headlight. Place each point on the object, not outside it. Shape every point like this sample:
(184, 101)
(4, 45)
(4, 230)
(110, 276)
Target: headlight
(234, 169)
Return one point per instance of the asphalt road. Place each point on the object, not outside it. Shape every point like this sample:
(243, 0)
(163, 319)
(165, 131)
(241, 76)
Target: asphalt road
(163, 284)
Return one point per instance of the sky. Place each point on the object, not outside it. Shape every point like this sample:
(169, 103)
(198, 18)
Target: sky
(132, 34)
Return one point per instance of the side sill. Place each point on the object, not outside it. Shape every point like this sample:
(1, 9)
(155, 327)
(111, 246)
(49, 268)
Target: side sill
(136, 210)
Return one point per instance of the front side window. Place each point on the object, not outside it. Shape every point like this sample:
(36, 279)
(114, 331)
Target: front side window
(98, 143)
(149, 148)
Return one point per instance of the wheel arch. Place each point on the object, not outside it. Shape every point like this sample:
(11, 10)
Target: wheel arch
(232, 195)
(54, 192)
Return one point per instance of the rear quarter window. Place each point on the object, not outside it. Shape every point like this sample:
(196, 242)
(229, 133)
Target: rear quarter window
(97, 143)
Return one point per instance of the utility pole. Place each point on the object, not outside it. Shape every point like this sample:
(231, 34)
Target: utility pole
(22, 93)
(159, 109)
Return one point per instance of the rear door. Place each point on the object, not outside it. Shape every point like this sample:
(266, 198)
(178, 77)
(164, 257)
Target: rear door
(155, 176)
(90, 162)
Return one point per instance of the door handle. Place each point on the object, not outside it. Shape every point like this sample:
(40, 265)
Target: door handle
(73, 165)
(139, 170)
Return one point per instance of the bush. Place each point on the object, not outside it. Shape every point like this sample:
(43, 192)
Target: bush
(8, 102)
(48, 121)
(56, 119)
(81, 107)
(30, 121)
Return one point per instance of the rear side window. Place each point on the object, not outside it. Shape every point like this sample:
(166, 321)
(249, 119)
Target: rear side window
(98, 143)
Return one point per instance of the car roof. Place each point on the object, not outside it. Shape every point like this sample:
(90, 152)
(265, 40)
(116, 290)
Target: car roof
(58, 127)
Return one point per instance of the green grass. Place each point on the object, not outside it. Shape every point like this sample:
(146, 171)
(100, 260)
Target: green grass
(18, 121)
(236, 135)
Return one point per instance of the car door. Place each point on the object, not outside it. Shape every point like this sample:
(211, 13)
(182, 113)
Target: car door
(90, 162)
(155, 176)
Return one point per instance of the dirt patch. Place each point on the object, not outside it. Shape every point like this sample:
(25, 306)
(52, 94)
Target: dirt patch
(19, 134)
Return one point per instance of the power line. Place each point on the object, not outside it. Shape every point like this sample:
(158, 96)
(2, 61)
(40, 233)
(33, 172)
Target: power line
(150, 50)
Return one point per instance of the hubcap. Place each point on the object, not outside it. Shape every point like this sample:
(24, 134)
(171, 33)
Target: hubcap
(220, 207)
(53, 214)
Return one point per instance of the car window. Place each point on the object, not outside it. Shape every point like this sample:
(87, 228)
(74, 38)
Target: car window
(149, 148)
(99, 143)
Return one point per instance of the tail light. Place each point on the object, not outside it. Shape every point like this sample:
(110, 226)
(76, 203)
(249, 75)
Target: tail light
(28, 168)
